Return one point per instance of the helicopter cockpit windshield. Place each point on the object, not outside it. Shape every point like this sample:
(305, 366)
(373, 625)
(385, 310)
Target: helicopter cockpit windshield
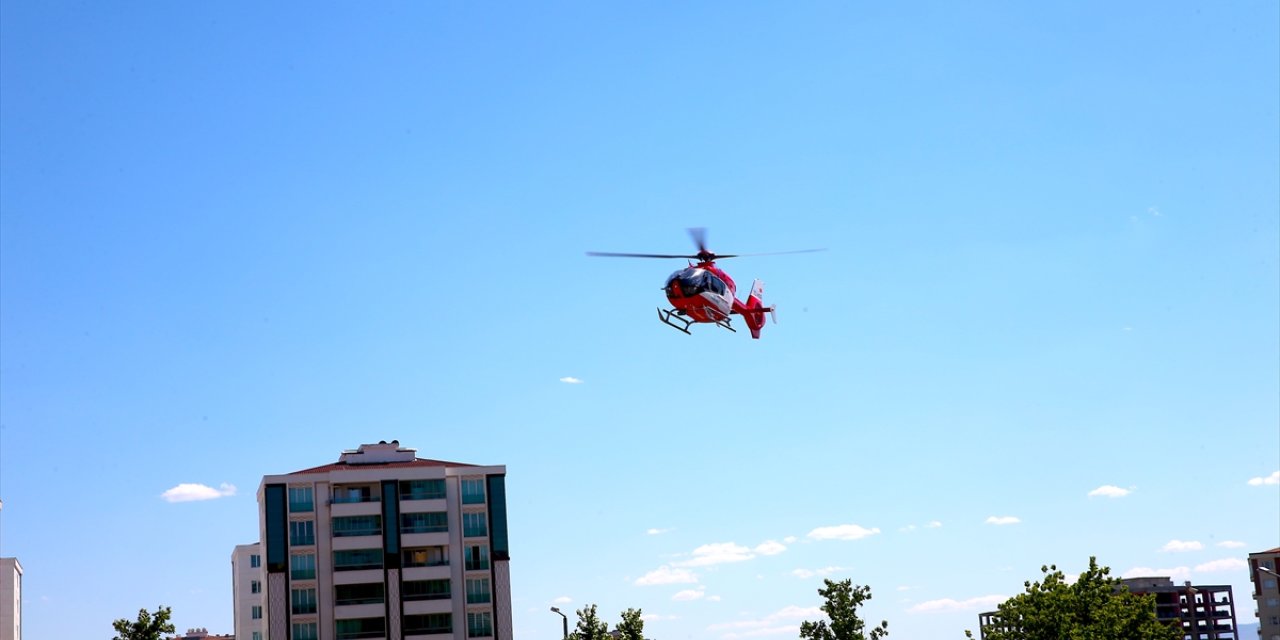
(693, 281)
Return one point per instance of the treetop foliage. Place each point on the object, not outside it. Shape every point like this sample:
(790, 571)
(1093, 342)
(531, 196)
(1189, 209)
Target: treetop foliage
(148, 626)
(591, 627)
(1095, 606)
(842, 601)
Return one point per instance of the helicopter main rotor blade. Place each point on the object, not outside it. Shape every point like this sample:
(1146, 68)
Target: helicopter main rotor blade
(699, 235)
(610, 254)
(771, 253)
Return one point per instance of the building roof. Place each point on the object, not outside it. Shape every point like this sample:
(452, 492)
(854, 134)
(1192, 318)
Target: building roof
(416, 462)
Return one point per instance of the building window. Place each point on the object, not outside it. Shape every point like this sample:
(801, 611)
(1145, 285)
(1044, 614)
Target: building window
(302, 566)
(366, 593)
(426, 590)
(428, 624)
(422, 490)
(304, 601)
(305, 631)
(346, 526)
(426, 557)
(474, 525)
(255, 561)
(257, 635)
(300, 500)
(255, 612)
(255, 587)
(302, 532)
(473, 491)
(357, 559)
(364, 493)
(433, 522)
(478, 591)
(361, 628)
(477, 557)
(479, 624)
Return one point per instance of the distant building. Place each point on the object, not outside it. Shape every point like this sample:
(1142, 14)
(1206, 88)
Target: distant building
(201, 634)
(1202, 612)
(10, 599)
(1263, 566)
(382, 544)
(247, 595)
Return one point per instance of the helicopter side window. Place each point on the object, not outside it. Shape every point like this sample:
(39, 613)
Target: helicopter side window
(715, 284)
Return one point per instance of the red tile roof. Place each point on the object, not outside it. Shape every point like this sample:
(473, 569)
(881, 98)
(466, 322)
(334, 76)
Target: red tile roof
(417, 462)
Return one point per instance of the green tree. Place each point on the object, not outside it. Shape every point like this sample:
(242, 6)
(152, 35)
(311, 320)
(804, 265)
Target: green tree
(590, 626)
(1095, 606)
(148, 626)
(842, 601)
(632, 625)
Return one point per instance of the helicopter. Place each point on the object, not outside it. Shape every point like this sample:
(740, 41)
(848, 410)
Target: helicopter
(703, 293)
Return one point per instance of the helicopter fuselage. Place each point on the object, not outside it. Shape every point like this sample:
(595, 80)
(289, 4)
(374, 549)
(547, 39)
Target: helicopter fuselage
(702, 292)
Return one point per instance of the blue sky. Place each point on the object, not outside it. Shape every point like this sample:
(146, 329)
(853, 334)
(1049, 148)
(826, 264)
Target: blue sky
(236, 239)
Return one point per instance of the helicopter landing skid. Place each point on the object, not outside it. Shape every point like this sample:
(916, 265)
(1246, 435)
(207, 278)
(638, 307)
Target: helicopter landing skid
(678, 322)
(676, 319)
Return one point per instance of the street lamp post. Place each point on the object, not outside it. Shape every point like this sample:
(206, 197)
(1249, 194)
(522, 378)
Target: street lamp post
(566, 621)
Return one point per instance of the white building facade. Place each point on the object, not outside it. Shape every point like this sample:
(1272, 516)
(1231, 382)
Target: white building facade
(247, 592)
(10, 599)
(384, 545)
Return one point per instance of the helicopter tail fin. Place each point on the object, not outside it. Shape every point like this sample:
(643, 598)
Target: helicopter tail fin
(755, 309)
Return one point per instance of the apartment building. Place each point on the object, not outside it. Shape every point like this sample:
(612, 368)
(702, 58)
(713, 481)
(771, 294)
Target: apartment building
(247, 595)
(383, 544)
(1264, 573)
(1202, 612)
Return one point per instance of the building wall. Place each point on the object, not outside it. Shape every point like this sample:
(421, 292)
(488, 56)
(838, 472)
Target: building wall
(246, 570)
(10, 599)
(1266, 592)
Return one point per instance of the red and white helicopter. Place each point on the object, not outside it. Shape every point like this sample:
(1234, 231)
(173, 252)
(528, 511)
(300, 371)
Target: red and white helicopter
(702, 292)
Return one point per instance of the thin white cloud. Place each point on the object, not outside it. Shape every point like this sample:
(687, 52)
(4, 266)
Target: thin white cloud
(790, 630)
(948, 605)
(716, 553)
(1232, 544)
(570, 380)
(689, 594)
(666, 575)
(1274, 478)
(842, 532)
(932, 524)
(562, 600)
(770, 621)
(1109, 491)
(191, 492)
(904, 588)
(657, 617)
(770, 548)
(1179, 546)
(1003, 520)
(1225, 564)
(809, 573)
(658, 532)
(1177, 574)
(789, 540)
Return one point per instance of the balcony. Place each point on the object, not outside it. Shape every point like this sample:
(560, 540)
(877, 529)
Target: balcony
(368, 508)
